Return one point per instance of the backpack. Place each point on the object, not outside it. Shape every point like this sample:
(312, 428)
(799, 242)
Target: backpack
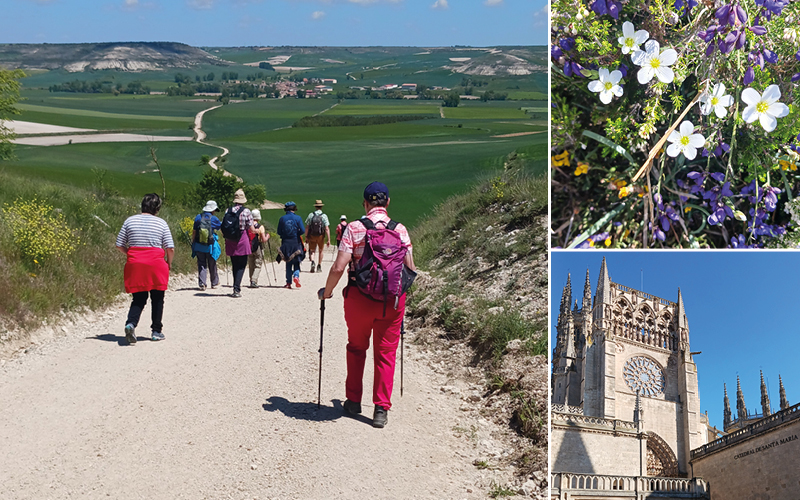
(340, 230)
(230, 224)
(205, 233)
(255, 242)
(316, 227)
(380, 273)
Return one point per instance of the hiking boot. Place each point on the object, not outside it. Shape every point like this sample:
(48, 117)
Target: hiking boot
(312, 266)
(236, 295)
(351, 407)
(130, 334)
(156, 336)
(297, 281)
(379, 417)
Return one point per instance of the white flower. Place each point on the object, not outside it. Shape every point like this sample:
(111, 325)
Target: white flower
(631, 40)
(684, 141)
(654, 63)
(717, 100)
(790, 34)
(764, 107)
(607, 85)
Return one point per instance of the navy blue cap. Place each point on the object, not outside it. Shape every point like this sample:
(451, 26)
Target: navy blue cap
(374, 190)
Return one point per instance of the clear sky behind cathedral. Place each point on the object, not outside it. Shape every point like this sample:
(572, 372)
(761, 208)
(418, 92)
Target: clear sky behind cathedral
(279, 22)
(742, 309)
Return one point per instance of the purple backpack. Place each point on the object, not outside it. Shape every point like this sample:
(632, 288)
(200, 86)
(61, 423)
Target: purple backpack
(380, 273)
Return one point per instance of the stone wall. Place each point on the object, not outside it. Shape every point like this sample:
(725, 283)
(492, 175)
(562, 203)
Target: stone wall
(759, 462)
(591, 445)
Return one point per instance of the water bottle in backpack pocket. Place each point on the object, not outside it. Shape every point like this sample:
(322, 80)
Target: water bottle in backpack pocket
(205, 232)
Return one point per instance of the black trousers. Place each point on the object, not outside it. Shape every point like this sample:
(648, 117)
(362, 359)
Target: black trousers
(239, 263)
(156, 304)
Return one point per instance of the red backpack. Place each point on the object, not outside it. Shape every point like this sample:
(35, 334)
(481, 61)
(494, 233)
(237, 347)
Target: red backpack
(380, 273)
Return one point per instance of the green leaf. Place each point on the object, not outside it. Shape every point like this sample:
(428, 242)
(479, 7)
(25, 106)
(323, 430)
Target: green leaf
(596, 226)
(616, 147)
(786, 184)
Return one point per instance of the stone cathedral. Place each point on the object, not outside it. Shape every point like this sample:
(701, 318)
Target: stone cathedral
(625, 413)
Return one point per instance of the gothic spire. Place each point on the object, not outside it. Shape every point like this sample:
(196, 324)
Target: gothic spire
(603, 295)
(726, 409)
(682, 323)
(741, 409)
(587, 294)
(765, 406)
(568, 293)
(784, 402)
(575, 307)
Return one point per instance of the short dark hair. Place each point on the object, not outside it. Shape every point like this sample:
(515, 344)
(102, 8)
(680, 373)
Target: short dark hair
(151, 203)
(379, 200)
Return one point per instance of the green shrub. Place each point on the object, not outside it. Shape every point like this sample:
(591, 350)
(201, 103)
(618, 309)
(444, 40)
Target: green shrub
(39, 232)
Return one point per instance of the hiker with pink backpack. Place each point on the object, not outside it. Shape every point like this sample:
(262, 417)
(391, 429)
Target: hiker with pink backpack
(376, 252)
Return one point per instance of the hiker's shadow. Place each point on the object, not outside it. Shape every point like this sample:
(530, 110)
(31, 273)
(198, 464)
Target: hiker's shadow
(309, 411)
(110, 337)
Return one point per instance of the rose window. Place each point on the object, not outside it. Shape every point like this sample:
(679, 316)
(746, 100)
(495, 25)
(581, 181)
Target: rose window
(643, 375)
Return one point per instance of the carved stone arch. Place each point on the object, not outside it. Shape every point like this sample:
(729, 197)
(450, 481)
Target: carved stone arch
(661, 460)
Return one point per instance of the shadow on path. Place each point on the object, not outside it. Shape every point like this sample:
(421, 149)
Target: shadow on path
(309, 411)
(110, 337)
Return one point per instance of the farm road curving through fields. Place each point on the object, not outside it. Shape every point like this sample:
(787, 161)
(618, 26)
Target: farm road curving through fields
(226, 407)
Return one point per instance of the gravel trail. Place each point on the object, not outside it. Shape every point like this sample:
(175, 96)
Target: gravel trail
(225, 407)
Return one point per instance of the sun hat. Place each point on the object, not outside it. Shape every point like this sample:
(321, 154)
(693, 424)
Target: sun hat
(319, 203)
(256, 214)
(211, 205)
(343, 217)
(374, 191)
(238, 197)
(290, 205)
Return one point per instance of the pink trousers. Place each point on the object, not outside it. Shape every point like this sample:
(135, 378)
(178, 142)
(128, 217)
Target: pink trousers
(364, 317)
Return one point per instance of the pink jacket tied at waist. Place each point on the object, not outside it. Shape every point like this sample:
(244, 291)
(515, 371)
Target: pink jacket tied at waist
(146, 270)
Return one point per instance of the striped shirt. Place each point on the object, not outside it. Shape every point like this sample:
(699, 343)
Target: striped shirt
(354, 238)
(245, 216)
(145, 230)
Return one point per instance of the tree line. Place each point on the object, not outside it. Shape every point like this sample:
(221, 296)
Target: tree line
(98, 87)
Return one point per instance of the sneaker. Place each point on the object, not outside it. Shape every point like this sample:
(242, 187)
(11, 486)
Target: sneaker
(130, 334)
(297, 282)
(156, 336)
(214, 286)
(379, 417)
(319, 268)
(351, 407)
(253, 284)
(312, 266)
(288, 285)
(202, 287)
(236, 295)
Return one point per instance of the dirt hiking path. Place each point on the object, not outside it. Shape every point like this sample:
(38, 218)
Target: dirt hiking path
(225, 407)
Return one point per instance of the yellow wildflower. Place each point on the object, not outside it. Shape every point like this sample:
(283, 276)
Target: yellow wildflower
(608, 241)
(582, 168)
(786, 165)
(625, 191)
(560, 160)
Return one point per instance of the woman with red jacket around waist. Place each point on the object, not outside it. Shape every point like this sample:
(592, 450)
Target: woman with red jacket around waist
(147, 242)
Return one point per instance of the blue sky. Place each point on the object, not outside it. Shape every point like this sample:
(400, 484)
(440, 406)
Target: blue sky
(279, 22)
(742, 309)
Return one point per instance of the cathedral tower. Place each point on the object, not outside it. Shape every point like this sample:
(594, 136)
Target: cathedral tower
(765, 406)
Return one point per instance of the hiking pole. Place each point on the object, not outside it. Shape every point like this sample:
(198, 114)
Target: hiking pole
(262, 264)
(402, 336)
(321, 325)
(273, 262)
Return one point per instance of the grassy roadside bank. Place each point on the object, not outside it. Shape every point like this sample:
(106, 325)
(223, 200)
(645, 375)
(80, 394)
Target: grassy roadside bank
(485, 286)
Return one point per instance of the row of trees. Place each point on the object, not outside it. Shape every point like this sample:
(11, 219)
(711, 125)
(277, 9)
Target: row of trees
(98, 87)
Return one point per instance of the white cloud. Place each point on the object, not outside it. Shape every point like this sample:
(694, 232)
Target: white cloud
(131, 3)
(318, 14)
(440, 5)
(540, 16)
(493, 3)
(200, 4)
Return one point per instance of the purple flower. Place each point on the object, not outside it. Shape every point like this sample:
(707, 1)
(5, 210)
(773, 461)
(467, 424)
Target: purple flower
(718, 176)
(573, 68)
(555, 52)
(771, 57)
(758, 30)
(610, 7)
(624, 70)
(749, 76)
(567, 43)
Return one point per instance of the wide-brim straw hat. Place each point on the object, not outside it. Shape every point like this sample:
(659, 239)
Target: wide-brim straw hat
(319, 203)
(256, 214)
(239, 197)
(211, 205)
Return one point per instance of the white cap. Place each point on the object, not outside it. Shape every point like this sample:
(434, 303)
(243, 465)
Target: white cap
(210, 206)
(256, 214)
(343, 217)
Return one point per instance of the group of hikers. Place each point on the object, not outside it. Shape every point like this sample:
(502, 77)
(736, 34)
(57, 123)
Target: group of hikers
(374, 250)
